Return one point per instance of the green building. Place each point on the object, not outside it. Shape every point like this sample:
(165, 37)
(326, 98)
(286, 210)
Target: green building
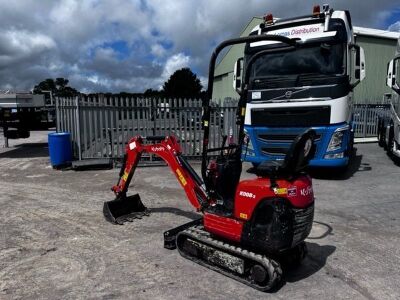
(379, 47)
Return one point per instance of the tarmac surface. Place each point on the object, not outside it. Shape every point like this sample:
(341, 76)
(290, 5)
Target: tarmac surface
(55, 243)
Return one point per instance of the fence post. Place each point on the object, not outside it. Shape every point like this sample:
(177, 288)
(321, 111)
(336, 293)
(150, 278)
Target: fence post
(58, 114)
(153, 113)
(78, 127)
(5, 128)
(365, 121)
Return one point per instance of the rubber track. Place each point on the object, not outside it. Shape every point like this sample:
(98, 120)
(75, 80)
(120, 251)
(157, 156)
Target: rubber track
(199, 234)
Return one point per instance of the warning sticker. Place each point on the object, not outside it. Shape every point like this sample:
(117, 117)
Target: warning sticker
(256, 95)
(181, 178)
(280, 191)
(243, 216)
(292, 192)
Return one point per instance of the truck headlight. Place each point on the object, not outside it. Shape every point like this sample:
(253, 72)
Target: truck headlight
(337, 139)
(247, 141)
(334, 155)
(247, 148)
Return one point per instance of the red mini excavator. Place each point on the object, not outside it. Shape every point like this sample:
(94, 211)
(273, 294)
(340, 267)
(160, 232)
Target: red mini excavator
(249, 227)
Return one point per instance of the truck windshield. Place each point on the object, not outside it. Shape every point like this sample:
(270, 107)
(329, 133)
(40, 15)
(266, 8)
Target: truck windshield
(316, 59)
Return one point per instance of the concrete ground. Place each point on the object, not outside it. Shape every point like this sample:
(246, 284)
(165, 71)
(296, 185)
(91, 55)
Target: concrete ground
(55, 244)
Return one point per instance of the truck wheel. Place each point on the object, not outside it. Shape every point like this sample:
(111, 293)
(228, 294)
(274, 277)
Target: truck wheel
(381, 134)
(390, 145)
(351, 145)
(381, 139)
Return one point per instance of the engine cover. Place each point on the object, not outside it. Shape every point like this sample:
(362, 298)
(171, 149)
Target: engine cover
(278, 215)
(277, 226)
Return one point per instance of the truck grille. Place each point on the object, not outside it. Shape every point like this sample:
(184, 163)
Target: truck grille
(303, 219)
(291, 116)
(282, 138)
(274, 150)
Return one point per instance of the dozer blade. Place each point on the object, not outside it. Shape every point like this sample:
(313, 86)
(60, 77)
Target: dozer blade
(125, 209)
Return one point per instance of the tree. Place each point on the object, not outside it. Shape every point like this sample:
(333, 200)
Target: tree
(45, 85)
(182, 84)
(150, 93)
(58, 87)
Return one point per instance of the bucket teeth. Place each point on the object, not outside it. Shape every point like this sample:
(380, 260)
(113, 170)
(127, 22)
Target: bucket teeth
(131, 217)
(125, 209)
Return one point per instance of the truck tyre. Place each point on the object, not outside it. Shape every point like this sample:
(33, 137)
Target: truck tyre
(381, 134)
(390, 145)
(351, 145)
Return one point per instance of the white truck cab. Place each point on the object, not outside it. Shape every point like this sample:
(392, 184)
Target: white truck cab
(311, 86)
(389, 125)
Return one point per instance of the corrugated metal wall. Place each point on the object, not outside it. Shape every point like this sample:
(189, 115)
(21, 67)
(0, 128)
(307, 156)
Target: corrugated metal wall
(378, 52)
(224, 71)
(223, 88)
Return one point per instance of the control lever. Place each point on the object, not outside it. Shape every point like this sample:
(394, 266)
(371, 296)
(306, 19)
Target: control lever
(224, 138)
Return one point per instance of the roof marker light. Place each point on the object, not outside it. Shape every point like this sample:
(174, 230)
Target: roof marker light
(316, 10)
(268, 19)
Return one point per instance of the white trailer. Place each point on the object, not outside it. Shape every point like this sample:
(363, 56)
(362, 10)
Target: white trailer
(19, 111)
(389, 125)
(10, 99)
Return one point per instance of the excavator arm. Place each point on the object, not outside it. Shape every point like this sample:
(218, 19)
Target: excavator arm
(169, 150)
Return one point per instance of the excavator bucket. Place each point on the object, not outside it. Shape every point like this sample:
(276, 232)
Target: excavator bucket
(124, 209)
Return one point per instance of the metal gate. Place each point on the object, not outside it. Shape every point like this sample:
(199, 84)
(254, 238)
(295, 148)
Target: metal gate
(365, 118)
(101, 125)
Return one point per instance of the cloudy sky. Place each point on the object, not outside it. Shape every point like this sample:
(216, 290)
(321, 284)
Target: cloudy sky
(132, 45)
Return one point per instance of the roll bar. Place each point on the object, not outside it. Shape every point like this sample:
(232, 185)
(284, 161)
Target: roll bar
(211, 70)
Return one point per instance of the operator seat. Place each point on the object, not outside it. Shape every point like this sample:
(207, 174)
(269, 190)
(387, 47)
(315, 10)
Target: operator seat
(296, 159)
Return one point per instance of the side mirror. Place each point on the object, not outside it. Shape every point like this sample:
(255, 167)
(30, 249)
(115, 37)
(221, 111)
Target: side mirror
(237, 75)
(359, 68)
(391, 76)
(362, 64)
(359, 71)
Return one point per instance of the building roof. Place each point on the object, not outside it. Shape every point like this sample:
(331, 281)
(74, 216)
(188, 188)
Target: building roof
(372, 32)
(225, 65)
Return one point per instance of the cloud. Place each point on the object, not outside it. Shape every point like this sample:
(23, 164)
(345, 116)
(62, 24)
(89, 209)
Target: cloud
(158, 50)
(175, 62)
(18, 45)
(134, 45)
(395, 27)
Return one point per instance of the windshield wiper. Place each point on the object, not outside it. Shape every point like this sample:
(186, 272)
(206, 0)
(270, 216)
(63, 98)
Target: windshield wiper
(307, 76)
(272, 78)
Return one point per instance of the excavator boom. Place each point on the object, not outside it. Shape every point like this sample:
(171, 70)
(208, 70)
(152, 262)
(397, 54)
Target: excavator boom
(125, 208)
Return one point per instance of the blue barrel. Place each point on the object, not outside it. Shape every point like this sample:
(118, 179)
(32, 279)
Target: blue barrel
(60, 148)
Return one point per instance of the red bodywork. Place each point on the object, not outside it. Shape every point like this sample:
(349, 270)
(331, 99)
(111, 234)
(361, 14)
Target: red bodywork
(249, 193)
(168, 149)
(228, 228)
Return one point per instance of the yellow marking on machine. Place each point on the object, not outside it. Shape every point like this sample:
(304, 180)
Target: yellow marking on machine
(181, 178)
(280, 191)
(125, 176)
(243, 216)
